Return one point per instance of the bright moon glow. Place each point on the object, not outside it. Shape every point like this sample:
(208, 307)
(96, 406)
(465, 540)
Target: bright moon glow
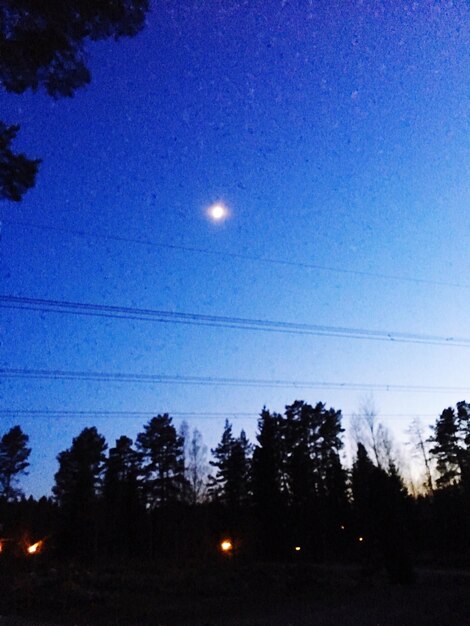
(226, 545)
(217, 212)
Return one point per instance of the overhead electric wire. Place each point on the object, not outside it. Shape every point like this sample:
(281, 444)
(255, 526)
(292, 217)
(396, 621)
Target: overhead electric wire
(235, 255)
(239, 323)
(121, 377)
(105, 413)
(182, 414)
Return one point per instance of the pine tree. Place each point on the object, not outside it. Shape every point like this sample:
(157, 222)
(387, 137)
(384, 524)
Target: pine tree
(312, 443)
(448, 448)
(121, 474)
(161, 451)
(77, 490)
(79, 478)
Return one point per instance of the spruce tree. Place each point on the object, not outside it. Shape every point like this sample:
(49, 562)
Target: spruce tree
(232, 458)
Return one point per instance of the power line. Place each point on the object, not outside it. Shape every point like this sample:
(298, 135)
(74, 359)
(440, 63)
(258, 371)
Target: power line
(235, 255)
(120, 377)
(239, 323)
(130, 414)
(182, 414)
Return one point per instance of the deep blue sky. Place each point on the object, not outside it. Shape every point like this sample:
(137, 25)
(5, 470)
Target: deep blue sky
(337, 135)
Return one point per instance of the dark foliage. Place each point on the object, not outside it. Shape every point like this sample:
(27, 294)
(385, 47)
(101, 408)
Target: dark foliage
(380, 506)
(451, 446)
(287, 497)
(122, 498)
(77, 489)
(14, 454)
(232, 458)
(42, 46)
(17, 172)
(161, 452)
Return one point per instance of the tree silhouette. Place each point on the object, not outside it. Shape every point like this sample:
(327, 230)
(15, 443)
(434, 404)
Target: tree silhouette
(237, 486)
(231, 484)
(122, 495)
(315, 481)
(79, 478)
(17, 172)
(451, 450)
(42, 47)
(121, 466)
(451, 446)
(421, 446)
(197, 468)
(78, 485)
(161, 451)
(14, 455)
(380, 510)
(373, 434)
(312, 441)
(267, 484)
(267, 470)
(221, 455)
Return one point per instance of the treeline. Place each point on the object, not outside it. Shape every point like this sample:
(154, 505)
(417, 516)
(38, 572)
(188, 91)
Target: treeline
(287, 495)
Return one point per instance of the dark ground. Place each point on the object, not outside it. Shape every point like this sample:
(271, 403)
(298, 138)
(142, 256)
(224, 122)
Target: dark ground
(231, 594)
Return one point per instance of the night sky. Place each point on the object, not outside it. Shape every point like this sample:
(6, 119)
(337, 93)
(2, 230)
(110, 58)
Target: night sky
(337, 135)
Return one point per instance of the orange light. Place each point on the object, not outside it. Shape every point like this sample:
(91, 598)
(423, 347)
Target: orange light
(35, 547)
(226, 545)
(1, 547)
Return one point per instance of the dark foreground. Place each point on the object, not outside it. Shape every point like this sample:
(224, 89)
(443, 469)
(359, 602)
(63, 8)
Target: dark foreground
(229, 594)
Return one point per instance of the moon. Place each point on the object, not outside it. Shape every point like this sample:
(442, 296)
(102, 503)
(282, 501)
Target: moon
(217, 212)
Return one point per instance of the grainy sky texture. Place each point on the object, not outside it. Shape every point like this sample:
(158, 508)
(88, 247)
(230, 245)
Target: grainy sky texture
(337, 135)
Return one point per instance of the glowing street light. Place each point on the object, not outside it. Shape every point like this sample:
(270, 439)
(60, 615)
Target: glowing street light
(226, 546)
(297, 548)
(35, 547)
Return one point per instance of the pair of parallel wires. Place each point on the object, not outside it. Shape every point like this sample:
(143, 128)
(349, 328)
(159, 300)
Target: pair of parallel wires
(217, 321)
